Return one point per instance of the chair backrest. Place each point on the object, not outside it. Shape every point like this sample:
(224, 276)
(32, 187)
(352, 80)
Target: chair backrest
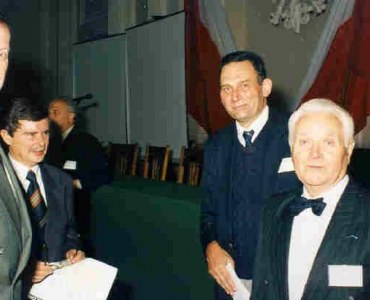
(123, 158)
(190, 165)
(156, 162)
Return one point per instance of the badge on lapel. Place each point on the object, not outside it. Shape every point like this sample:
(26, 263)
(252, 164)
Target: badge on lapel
(345, 275)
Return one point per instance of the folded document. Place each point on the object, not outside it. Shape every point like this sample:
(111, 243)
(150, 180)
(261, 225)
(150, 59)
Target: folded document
(88, 279)
(241, 291)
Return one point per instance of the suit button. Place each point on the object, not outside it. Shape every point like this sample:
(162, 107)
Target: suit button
(351, 298)
(1, 250)
(266, 282)
(231, 245)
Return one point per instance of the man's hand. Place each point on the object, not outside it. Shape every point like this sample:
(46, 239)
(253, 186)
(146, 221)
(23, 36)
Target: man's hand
(217, 259)
(42, 270)
(74, 255)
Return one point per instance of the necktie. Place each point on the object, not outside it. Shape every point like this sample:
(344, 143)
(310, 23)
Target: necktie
(247, 135)
(36, 200)
(301, 203)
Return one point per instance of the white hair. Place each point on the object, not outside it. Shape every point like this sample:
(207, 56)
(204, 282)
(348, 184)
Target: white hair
(319, 105)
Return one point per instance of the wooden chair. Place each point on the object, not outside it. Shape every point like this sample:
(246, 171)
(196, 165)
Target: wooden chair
(156, 162)
(190, 164)
(123, 158)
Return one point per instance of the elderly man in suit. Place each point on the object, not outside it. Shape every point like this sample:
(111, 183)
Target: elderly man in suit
(82, 156)
(15, 227)
(244, 163)
(49, 190)
(315, 243)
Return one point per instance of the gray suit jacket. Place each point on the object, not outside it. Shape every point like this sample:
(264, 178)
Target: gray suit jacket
(346, 242)
(15, 233)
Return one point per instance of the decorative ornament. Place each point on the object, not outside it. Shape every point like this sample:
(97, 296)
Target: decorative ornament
(296, 13)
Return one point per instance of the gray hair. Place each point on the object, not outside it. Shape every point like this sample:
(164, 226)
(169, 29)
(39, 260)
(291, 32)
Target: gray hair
(319, 105)
(71, 106)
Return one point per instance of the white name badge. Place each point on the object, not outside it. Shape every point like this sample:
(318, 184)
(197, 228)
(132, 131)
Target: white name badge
(286, 165)
(345, 275)
(70, 165)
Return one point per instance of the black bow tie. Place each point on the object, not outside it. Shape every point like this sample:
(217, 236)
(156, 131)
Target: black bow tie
(301, 203)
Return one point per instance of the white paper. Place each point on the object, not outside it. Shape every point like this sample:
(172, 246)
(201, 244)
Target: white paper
(345, 275)
(70, 165)
(241, 291)
(88, 279)
(286, 165)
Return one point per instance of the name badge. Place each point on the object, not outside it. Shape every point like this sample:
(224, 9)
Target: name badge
(70, 165)
(286, 165)
(345, 275)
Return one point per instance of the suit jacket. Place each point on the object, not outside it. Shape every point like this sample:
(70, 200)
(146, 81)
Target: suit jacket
(15, 233)
(60, 228)
(217, 180)
(346, 242)
(86, 151)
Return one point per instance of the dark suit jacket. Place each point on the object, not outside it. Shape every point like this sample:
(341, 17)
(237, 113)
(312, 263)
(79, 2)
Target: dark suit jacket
(216, 209)
(60, 230)
(15, 233)
(346, 242)
(86, 151)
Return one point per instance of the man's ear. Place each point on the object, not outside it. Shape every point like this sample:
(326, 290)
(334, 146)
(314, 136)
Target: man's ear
(350, 148)
(71, 117)
(6, 137)
(266, 87)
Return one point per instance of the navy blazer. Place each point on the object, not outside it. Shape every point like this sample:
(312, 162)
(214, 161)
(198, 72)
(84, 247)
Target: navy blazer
(60, 230)
(85, 150)
(216, 210)
(346, 242)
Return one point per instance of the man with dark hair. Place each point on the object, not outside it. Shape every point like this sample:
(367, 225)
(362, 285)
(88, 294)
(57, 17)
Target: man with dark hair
(48, 190)
(244, 163)
(15, 227)
(82, 156)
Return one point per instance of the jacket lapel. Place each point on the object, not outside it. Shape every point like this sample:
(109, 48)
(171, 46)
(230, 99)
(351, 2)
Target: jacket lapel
(339, 245)
(282, 236)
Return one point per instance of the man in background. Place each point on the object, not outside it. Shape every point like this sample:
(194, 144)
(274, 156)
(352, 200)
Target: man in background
(244, 163)
(15, 227)
(315, 242)
(82, 156)
(49, 191)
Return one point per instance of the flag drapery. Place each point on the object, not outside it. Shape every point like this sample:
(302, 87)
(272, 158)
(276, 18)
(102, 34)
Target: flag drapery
(344, 76)
(202, 68)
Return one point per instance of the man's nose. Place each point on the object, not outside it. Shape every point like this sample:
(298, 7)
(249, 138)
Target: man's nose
(236, 94)
(316, 150)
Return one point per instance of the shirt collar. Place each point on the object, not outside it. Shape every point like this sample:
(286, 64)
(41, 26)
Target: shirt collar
(256, 126)
(66, 133)
(333, 192)
(21, 170)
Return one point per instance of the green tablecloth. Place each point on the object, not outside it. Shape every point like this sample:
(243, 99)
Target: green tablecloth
(149, 230)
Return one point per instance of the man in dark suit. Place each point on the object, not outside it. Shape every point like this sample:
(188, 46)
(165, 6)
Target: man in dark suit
(26, 132)
(244, 163)
(15, 227)
(315, 243)
(82, 156)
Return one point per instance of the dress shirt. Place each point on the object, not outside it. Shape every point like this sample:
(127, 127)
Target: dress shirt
(65, 133)
(256, 126)
(307, 234)
(21, 170)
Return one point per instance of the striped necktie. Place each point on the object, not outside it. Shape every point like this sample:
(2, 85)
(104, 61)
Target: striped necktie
(36, 200)
(247, 135)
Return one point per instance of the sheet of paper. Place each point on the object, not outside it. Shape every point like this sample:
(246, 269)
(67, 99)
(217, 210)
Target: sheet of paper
(88, 279)
(241, 292)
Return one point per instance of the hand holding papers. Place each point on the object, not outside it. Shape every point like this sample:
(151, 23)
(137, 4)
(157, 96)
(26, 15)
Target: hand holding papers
(241, 292)
(88, 279)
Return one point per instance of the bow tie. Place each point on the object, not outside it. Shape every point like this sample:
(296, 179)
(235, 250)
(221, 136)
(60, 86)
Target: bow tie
(301, 203)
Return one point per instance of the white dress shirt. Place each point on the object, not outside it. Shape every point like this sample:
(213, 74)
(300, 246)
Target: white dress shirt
(307, 234)
(256, 126)
(21, 170)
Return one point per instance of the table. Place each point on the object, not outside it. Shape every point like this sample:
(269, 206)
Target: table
(149, 230)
